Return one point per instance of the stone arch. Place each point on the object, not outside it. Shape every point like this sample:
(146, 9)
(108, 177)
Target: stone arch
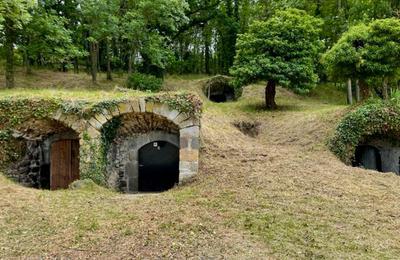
(218, 89)
(184, 127)
(181, 119)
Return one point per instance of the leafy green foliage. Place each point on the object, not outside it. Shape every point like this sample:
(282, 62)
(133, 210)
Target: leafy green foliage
(92, 164)
(108, 134)
(184, 103)
(283, 49)
(15, 13)
(366, 52)
(376, 117)
(47, 37)
(144, 82)
(344, 60)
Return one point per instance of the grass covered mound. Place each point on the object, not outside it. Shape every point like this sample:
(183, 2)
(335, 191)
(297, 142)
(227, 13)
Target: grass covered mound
(374, 118)
(36, 114)
(19, 106)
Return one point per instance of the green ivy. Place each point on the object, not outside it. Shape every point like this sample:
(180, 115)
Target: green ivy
(184, 103)
(108, 133)
(74, 107)
(105, 105)
(92, 163)
(374, 118)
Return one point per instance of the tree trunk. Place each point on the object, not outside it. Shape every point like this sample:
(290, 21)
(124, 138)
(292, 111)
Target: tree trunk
(385, 89)
(76, 65)
(109, 75)
(270, 92)
(130, 63)
(28, 69)
(93, 61)
(64, 67)
(98, 57)
(349, 92)
(207, 43)
(9, 47)
(365, 93)
(358, 99)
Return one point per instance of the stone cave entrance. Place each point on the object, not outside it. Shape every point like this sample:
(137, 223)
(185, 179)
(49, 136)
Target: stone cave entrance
(158, 166)
(379, 153)
(59, 163)
(144, 155)
(221, 95)
(368, 157)
(51, 155)
(218, 89)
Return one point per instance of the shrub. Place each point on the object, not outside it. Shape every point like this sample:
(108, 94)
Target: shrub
(144, 82)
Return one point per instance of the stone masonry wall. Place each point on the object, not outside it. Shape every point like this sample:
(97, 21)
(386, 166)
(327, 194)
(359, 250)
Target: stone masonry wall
(185, 127)
(123, 158)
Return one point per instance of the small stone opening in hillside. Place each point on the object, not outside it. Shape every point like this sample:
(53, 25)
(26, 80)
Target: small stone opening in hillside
(144, 153)
(250, 128)
(218, 89)
(379, 154)
(368, 157)
(51, 158)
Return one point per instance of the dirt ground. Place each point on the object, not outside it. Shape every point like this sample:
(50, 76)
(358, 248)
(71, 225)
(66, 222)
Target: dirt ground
(279, 195)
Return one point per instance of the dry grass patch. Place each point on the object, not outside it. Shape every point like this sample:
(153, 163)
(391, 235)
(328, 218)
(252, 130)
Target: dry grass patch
(279, 195)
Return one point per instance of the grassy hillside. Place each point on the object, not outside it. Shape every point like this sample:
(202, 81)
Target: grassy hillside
(279, 195)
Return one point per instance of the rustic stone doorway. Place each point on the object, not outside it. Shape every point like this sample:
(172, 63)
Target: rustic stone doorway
(368, 157)
(158, 166)
(50, 157)
(220, 95)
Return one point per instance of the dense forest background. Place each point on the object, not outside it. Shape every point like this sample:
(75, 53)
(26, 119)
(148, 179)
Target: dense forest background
(154, 36)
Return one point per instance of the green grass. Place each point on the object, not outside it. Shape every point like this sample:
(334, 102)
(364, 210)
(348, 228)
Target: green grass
(69, 94)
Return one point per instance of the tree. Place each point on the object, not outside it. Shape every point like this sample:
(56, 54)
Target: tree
(162, 19)
(46, 37)
(283, 50)
(366, 52)
(13, 15)
(383, 51)
(101, 22)
(345, 59)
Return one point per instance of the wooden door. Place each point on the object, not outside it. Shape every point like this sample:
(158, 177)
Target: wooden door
(64, 163)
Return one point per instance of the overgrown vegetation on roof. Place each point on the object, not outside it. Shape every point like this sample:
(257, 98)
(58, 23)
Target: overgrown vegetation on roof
(375, 117)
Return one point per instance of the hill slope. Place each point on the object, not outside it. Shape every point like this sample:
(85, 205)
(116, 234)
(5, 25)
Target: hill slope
(279, 195)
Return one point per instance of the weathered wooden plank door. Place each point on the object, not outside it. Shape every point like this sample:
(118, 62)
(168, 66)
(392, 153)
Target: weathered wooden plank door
(64, 163)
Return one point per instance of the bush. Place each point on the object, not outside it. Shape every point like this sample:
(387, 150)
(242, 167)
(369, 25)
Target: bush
(144, 82)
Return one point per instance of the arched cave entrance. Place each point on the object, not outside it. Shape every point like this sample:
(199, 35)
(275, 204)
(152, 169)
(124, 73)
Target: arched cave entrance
(221, 95)
(158, 166)
(51, 158)
(368, 157)
(380, 153)
(218, 89)
(144, 153)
